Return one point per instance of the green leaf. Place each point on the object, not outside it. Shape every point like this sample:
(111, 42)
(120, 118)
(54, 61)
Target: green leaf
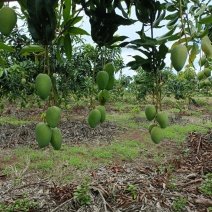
(72, 21)
(201, 10)
(172, 23)
(145, 42)
(134, 65)
(2, 62)
(118, 39)
(68, 46)
(1, 72)
(206, 20)
(161, 17)
(6, 47)
(168, 36)
(172, 16)
(170, 7)
(32, 48)
(77, 31)
(182, 40)
(201, 34)
(67, 9)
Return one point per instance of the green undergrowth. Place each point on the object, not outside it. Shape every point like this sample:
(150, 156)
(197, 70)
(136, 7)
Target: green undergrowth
(13, 120)
(178, 132)
(129, 119)
(62, 164)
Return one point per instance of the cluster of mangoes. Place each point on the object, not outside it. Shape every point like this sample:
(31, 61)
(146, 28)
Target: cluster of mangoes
(48, 132)
(8, 19)
(179, 56)
(205, 73)
(160, 122)
(105, 81)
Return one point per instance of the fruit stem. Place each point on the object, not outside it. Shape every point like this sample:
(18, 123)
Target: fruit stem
(93, 79)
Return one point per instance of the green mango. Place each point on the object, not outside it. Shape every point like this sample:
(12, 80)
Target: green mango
(43, 134)
(207, 72)
(179, 56)
(43, 85)
(151, 126)
(102, 110)
(56, 140)
(162, 119)
(150, 112)
(102, 78)
(94, 118)
(110, 69)
(103, 97)
(8, 19)
(53, 115)
(157, 134)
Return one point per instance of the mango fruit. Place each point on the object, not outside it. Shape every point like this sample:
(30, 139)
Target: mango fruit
(200, 75)
(56, 139)
(8, 19)
(110, 69)
(53, 116)
(94, 118)
(43, 134)
(162, 119)
(201, 84)
(150, 112)
(207, 72)
(157, 134)
(23, 81)
(207, 82)
(43, 85)
(206, 46)
(103, 97)
(202, 61)
(102, 110)
(151, 126)
(179, 56)
(102, 78)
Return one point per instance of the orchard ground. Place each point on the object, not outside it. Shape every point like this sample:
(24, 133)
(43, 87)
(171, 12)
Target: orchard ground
(117, 165)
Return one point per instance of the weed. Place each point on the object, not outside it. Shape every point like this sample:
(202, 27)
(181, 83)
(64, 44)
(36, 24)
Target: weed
(12, 120)
(17, 174)
(6, 159)
(119, 106)
(81, 194)
(208, 108)
(43, 117)
(78, 162)
(44, 165)
(135, 110)
(168, 168)
(24, 205)
(179, 204)
(133, 189)
(171, 184)
(206, 187)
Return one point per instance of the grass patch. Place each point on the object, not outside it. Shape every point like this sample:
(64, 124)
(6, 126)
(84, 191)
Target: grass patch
(178, 133)
(12, 120)
(129, 120)
(63, 164)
